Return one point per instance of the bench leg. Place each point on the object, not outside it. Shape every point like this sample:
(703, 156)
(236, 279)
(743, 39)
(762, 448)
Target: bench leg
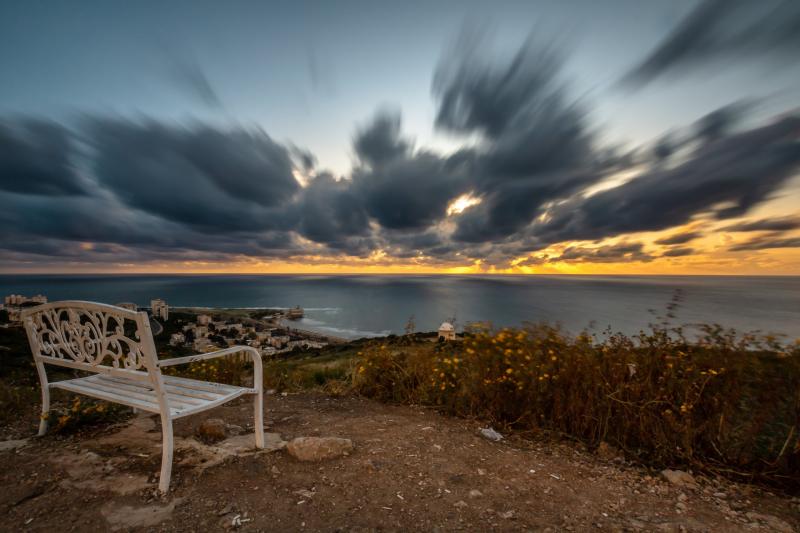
(259, 421)
(166, 454)
(45, 410)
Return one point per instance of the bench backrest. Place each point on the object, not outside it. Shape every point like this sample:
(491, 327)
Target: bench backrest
(92, 337)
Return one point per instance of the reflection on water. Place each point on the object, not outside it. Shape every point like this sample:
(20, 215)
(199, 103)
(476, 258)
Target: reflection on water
(354, 306)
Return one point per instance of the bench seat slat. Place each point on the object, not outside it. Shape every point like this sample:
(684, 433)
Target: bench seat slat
(208, 386)
(141, 393)
(182, 391)
(81, 386)
(185, 396)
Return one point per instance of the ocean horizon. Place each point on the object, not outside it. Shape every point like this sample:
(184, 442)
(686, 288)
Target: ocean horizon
(354, 305)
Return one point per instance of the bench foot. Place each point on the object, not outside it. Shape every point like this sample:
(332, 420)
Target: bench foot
(166, 454)
(259, 421)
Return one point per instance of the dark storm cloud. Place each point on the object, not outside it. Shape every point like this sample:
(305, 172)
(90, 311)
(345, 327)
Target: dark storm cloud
(191, 78)
(400, 188)
(220, 180)
(766, 224)
(721, 122)
(379, 142)
(678, 252)
(726, 177)
(612, 253)
(724, 30)
(537, 145)
(680, 238)
(767, 242)
(150, 190)
(330, 212)
(36, 157)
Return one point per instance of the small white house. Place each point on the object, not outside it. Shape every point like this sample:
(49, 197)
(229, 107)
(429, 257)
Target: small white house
(447, 332)
(159, 309)
(203, 320)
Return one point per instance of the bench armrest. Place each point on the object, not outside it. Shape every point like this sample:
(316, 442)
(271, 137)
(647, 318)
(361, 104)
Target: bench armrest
(258, 373)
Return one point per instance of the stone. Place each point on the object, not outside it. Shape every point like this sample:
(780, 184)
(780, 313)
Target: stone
(475, 493)
(319, 448)
(460, 504)
(679, 478)
(773, 522)
(233, 429)
(212, 430)
(491, 434)
(128, 517)
(10, 445)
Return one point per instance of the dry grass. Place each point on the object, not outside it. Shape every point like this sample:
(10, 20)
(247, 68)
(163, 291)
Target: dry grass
(724, 403)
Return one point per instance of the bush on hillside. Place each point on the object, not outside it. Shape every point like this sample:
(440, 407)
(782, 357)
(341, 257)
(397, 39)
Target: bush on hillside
(723, 402)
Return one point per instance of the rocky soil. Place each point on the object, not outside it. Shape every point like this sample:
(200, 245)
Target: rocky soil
(389, 468)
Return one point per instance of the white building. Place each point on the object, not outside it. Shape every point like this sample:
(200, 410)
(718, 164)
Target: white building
(447, 332)
(18, 299)
(279, 341)
(177, 339)
(159, 308)
(203, 320)
(268, 351)
(202, 344)
(200, 331)
(14, 303)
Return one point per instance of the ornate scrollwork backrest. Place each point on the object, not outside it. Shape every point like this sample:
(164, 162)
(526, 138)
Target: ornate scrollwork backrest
(88, 333)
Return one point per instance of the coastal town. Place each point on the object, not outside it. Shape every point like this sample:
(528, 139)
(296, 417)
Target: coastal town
(179, 330)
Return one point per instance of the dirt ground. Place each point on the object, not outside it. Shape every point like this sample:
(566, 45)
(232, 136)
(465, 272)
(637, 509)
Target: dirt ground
(412, 469)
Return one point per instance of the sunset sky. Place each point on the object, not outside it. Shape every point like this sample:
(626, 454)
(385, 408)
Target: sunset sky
(616, 137)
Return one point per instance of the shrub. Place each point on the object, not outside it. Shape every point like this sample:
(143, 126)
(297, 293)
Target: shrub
(82, 412)
(723, 402)
(232, 370)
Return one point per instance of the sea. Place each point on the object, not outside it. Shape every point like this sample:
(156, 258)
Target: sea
(354, 306)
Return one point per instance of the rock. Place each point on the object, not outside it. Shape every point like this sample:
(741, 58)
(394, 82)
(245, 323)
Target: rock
(233, 429)
(319, 448)
(128, 517)
(228, 509)
(212, 430)
(773, 522)
(28, 493)
(10, 445)
(607, 452)
(682, 497)
(460, 504)
(303, 493)
(491, 434)
(681, 506)
(474, 493)
(679, 478)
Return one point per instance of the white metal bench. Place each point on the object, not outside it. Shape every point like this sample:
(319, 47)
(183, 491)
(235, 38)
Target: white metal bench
(116, 347)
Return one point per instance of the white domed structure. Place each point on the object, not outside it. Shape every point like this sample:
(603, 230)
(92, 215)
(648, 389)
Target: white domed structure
(447, 332)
